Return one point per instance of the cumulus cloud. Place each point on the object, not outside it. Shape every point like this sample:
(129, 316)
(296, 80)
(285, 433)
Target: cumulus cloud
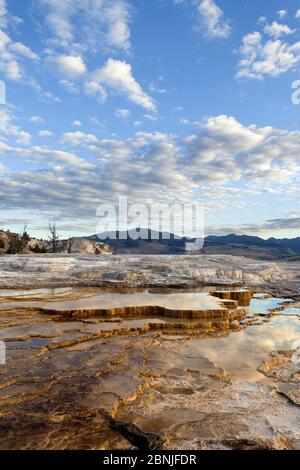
(210, 18)
(78, 138)
(221, 160)
(10, 135)
(95, 89)
(122, 113)
(70, 87)
(12, 53)
(45, 133)
(262, 58)
(117, 76)
(24, 51)
(70, 67)
(213, 20)
(9, 65)
(278, 29)
(8, 130)
(3, 13)
(36, 119)
(103, 23)
(67, 158)
(221, 150)
(282, 14)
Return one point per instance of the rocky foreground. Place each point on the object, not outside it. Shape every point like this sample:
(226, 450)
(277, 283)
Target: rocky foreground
(223, 376)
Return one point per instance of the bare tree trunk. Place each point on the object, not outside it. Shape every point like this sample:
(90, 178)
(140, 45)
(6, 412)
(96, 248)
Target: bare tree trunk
(53, 236)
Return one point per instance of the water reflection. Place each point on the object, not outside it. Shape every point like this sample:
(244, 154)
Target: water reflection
(243, 352)
(108, 300)
(262, 306)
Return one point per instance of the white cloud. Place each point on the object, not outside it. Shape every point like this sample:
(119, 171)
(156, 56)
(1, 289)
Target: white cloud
(77, 123)
(184, 122)
(151, 117)
(262, 19)
(61, 156)
(70, 87)
(213, 20)
(49, 156)
(3, 13)
(210, 18)
(266, 58)
(79, 138)
(103, 23)
(24, 51)
(9, 130)
(36, 119)
(277, 29)
(12, 53)
(117, 76)
(222, 160)
(9, 65)
(70, 67)
(122, 113)
(224, 149)
(93, 88)
(282, 14)
(3, 8)
(297, 14)
(45, 133)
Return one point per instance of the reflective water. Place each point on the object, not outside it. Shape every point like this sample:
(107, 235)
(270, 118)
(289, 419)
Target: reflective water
(106, 300)
(290, 311)
(35, 293)
(262, 306)
(241, 353)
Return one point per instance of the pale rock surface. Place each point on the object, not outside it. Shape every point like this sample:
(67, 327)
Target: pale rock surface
(140, 271)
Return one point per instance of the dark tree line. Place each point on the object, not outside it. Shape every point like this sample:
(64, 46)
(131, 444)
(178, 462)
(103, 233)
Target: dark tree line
(18, 242)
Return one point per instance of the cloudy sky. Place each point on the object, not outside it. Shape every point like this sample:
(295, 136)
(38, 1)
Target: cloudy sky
(161, 100)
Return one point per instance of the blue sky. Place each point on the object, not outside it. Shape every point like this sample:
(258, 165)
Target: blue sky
(161, 100)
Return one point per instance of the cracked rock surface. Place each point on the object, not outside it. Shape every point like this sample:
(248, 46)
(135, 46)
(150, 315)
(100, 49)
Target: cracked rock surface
(112, 383)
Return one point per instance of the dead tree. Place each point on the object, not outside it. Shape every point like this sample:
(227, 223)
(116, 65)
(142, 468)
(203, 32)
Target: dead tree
(18, 242)
(53, 236)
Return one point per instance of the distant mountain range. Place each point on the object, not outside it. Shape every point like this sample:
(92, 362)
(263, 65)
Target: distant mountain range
(236, 245)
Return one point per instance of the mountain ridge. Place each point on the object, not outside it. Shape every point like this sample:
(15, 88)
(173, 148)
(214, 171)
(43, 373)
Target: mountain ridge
(272, 248)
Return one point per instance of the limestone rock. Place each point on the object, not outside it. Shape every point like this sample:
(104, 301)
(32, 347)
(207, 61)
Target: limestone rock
(235, 324)
(4, 242)
(82, 245)
(37, 246)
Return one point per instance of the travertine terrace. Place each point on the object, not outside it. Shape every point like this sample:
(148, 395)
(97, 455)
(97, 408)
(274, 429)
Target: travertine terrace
(178, 354)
